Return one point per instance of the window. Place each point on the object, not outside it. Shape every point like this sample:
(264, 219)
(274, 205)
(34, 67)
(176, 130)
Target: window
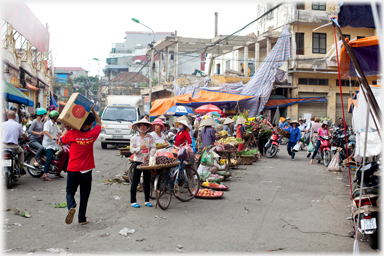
(319, 43)
(354, 83)
(374, 82)
(320, 6)
(313, 81)
(300, 6)
(346, 36)
(300, 43)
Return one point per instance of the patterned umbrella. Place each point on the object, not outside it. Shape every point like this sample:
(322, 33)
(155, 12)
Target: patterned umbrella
(179, 111)
(261, 83)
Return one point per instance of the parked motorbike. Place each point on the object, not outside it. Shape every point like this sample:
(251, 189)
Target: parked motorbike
(324, 152)
(11, 168)
(338, 141)
(272, 146)
(58, 164)
(367, 221)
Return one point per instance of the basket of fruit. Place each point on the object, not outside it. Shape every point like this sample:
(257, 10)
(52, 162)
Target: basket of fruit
(210, 194)
(125, 151)
(162, 162)
(161, 145)
(225, 174)
(214, 186)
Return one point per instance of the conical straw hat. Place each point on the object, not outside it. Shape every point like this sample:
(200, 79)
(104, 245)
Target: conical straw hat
(241, 120)
(142, 121)
(208, 122)
(184, 122)
(228, 120)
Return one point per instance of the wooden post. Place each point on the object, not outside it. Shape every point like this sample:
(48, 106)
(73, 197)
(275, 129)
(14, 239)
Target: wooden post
(167, 64)
(160, 60)
(257, 56)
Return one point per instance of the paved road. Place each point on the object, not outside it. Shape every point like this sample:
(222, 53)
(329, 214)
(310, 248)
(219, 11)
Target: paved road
(275, 204)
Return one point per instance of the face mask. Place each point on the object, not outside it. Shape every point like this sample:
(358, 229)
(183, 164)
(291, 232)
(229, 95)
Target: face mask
(182, 129)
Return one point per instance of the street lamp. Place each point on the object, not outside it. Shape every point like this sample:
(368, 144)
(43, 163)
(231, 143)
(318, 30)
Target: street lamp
(152, 57)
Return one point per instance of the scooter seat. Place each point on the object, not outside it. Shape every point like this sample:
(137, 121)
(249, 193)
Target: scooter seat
(369, 191)
(32, 147)
(10, 151)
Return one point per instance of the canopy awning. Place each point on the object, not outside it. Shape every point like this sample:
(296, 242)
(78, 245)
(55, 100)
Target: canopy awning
(31, 87)
(12, 94)
(274, 103)
(222, 100)
(367, 53)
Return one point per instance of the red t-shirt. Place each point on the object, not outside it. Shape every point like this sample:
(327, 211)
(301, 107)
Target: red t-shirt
(81, 148)
(181, 137)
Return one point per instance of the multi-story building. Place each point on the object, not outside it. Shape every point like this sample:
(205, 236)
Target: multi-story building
(27, 69)
(65, 80)
(312, 71)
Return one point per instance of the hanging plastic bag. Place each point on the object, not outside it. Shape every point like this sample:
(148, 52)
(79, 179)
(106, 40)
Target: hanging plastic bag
(296, 148)
(207, 159)
(182, 154)
(310, 147)
(334, 165)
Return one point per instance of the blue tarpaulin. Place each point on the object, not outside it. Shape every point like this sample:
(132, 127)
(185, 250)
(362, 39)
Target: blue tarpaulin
(357, 15)
(12, 94)
(53, 101)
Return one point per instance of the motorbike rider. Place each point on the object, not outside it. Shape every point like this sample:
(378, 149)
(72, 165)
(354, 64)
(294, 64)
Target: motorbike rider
(51, 130)
(36, 131)
(341, 124)
(287, 122)
(17, 118)
(10, 134)
(323, 131)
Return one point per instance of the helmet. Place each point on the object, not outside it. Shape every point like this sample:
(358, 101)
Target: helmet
(300, 119)
(325, 122)
(41, 111)
(288, 118)
(350, 144)
(14, 108)
(53, 114)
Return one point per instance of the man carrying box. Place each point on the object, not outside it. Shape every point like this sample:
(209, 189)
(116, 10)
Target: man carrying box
(81, 163)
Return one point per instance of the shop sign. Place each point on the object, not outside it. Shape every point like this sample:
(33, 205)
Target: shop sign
(146, 105)
(14, 81)
(31, 109)
(26, 93)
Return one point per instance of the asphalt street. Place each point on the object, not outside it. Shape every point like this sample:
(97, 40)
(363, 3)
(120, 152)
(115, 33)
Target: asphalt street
(273, 205)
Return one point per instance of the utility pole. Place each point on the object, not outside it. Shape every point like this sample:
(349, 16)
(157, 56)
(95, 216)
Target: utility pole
(151, 72)
(216, 21)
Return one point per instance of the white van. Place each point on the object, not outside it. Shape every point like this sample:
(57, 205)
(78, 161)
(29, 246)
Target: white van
(117, 119)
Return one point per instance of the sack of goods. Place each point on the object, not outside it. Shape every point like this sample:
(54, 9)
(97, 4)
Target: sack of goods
(207, 159)
(334, 165)
(296, 148)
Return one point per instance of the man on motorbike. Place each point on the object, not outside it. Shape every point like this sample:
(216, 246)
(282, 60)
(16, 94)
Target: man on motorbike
(10, 135)
(302, 125)
(51, 130)
(36, 131)
(323, 131)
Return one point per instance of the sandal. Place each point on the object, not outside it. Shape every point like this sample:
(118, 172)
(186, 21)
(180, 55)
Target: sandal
(46, 178)
(136, 205)
(59, 175)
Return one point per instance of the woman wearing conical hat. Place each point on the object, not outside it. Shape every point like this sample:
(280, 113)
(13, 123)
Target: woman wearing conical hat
(240, 131)
(227, 126)
(207, 134)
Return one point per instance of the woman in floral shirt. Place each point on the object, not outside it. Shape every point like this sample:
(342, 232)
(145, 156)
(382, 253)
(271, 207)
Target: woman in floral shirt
(142, 146)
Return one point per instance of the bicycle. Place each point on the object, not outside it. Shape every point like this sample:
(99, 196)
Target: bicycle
(182, 181)
(129, 173)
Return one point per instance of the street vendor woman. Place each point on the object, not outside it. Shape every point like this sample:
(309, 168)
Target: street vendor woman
(240, 131)
(182, 135)
(157, 135)
(142, 146)
(228, 124)
(294, 137)
(207, 134)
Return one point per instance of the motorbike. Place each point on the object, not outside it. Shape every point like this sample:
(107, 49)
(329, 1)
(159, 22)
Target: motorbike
(324, 152)
(11, 168)
(367, 220)
(272, 146)
(59, 162)
(338, 141)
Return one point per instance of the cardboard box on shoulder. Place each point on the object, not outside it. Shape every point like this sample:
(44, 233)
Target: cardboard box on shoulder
(76, 111)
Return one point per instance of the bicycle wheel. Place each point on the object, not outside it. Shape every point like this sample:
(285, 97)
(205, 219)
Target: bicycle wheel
(130, 173)
(187, 184)
(163, 190)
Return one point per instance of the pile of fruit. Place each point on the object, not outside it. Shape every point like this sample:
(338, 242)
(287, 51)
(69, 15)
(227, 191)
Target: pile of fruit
(223, 133)
(160, 144)
(209, 193)
(214, 185)
(159, 160)
(229, 140)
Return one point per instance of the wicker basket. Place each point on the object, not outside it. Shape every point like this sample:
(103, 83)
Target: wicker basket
(158, 167)
(125, 153)
(245, 160)
(163, 146)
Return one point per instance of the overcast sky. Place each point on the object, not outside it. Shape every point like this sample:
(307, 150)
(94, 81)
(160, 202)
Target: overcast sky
(83, 30)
